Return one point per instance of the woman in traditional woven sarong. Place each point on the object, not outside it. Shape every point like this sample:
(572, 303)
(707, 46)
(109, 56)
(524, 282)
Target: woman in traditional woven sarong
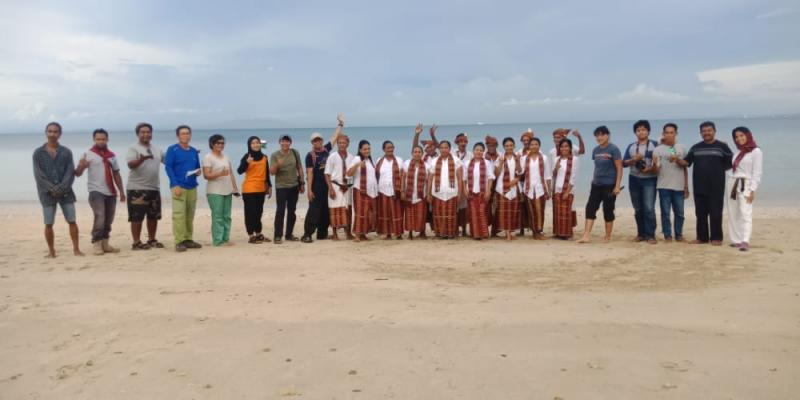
(507, 170)
(339, 193)
(445, 186)
(536, 186)
(413, 194)
(565, 169)
(478, 178)
(390, 206)
(365, 192)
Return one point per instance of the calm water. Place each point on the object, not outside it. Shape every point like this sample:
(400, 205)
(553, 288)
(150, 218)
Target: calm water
(779, 186)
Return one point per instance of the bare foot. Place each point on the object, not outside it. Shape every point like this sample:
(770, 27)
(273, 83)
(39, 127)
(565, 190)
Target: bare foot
(584, 239)
(364, 238)
(606, 239)
(51, 254)
(399, 237)
(388, 237)
(78, 252)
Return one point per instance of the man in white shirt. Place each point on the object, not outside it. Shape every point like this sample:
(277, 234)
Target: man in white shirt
(102, 177)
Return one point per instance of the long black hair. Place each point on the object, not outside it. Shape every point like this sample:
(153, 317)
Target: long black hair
(361, 144)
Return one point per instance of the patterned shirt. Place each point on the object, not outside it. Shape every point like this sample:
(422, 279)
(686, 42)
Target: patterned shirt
(54, 175)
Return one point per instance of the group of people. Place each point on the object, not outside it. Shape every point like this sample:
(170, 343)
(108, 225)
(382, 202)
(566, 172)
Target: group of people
(480, 191)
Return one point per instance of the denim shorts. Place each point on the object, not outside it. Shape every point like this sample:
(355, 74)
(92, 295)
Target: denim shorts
(67, 208)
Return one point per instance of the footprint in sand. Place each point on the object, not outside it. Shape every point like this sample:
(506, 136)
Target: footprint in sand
(65, 371)
(681, 366)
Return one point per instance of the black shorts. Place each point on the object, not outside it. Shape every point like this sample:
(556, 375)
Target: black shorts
(143, 203)
(601, 194)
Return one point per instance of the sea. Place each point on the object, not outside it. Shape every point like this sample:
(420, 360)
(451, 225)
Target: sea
(780, 185)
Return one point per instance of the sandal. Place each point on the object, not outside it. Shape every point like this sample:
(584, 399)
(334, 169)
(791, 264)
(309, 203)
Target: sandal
(155, 243)
(254, 240)
(261, 238)
(140, 246)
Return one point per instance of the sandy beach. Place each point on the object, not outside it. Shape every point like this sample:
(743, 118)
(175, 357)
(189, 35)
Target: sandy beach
(398, 320)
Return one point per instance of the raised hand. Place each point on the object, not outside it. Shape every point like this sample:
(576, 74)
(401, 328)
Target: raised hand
(249, 159)
(433, 129)
(418, 129)
(576, 133)
(340, 119)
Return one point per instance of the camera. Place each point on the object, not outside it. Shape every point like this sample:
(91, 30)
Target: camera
(641, 165)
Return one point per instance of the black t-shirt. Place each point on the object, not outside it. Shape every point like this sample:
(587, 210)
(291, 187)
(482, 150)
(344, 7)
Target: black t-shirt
(710, 161)
(316, 160)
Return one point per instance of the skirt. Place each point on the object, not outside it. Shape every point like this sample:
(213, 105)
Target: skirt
(390, 215)
(415, 216)
(444, 217)
(364, 213)
(477, 207)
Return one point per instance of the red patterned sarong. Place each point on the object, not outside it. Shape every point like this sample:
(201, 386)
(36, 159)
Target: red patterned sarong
(390, 215)
(477, 207)
(364, 213)
(444, 217)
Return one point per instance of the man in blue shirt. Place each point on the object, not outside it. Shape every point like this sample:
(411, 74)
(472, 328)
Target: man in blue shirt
(182, 164)
(642, 181)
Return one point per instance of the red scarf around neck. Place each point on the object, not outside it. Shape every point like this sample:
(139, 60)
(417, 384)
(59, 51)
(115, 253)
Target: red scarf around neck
(107, 155)
(395, 172)
(415, 168)
(471, 178)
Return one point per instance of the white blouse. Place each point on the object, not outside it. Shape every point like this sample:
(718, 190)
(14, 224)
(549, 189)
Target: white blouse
(414, 198)
(562, 171)
(750, 167)
(537, 187)
(385, 183)
(372, 180)
(445, 192)
(476, 171)
(510, 168)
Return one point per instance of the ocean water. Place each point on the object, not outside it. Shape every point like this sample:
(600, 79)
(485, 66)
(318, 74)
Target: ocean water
(780, 185)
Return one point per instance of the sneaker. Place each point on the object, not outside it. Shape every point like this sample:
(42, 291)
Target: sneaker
(97, 248)
(180, 247)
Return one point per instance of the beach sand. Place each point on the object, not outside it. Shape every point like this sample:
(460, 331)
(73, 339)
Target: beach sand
(399, 320)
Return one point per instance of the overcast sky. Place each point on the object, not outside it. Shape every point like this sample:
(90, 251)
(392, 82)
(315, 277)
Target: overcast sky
(298, 63)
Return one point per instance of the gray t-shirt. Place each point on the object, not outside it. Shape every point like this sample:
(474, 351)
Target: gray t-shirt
(96, 173)
(145, 177)
(670, 174)
(605, 172)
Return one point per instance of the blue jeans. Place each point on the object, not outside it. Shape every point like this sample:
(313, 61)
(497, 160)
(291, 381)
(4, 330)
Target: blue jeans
(643, 199)
(674, 199)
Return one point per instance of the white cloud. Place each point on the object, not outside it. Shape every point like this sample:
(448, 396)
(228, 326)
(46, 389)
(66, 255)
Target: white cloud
(541, 102)
(779, 80)
(776, 13)
(30, 111)
(646, 94)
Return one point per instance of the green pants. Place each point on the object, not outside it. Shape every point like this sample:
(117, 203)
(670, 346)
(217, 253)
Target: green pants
(220, 217)
(183, 207)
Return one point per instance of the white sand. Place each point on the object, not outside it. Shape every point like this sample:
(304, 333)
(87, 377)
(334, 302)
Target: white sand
(421, 320)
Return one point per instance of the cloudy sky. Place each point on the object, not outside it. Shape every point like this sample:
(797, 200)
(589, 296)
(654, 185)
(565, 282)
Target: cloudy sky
(298, 63)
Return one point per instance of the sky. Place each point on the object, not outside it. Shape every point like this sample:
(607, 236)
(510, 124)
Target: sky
(250, 64)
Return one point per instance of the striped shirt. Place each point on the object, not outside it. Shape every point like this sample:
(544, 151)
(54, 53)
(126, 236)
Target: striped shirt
(710, 161)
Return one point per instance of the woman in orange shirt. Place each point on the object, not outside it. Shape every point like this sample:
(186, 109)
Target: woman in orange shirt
(255, 187)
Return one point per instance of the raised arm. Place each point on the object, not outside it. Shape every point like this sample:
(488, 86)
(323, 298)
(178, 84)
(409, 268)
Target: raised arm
(581, 146)
(417, 132)
(433, 135)
(338, 131)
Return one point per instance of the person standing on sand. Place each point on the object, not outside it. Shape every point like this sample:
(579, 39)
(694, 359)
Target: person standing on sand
(464, 156)
(524, 218)
(710, 159)
(478, 179)
(339, 193)
(390, 205)
(673, 181)
(256, 186)
(491, 155)
(318, 214)
(508, 170)
(54, 173)
(414, 180)
(182, 165)
(220, 190)
(744, 180)
(365, 192)
(565, 169)
(288, 170)
(445, 186)
(605, 183)
(103, 175)
(537, 186)
(144, 196)
(642, 181)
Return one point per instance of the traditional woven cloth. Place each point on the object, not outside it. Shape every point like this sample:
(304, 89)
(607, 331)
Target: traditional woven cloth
(444, 217)
(415, 216)
(478, 217)
(364, 210)
(390, 214)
